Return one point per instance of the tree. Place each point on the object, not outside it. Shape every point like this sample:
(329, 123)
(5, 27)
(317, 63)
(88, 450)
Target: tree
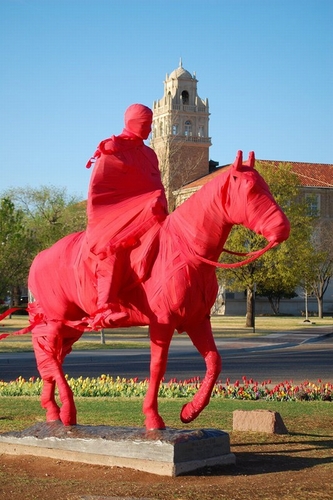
(318, 269)
(30, 221)
(49, 212)
(176, 169)
(277, 273)
(17, 248)
(176, 165)
(319, 286)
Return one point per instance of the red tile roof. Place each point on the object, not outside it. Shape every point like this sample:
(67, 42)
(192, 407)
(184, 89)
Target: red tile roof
(309, 174)
(203, 180)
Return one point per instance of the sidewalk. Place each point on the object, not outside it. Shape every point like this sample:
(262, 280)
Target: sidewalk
(250, 341)
(278, 340)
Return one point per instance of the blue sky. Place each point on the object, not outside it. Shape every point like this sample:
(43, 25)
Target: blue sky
(70, 68)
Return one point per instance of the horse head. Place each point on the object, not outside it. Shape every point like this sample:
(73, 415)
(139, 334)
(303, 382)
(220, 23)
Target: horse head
(251, 203)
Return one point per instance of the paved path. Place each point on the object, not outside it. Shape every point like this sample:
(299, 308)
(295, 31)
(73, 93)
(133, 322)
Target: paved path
(278, 340)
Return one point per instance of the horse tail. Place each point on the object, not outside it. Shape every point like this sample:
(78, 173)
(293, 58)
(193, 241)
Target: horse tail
(19, 332)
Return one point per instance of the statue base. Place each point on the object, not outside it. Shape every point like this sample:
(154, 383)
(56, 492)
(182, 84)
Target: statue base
(169, 452)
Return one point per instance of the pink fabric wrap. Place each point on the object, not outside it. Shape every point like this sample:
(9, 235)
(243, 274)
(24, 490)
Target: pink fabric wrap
(125, 187)
(138, 119)
(126, 201)
(164, 281)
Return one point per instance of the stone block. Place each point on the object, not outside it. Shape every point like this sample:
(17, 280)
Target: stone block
(169, 452)
(266, 421)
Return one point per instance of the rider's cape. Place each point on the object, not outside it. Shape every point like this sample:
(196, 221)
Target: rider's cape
(126, 195)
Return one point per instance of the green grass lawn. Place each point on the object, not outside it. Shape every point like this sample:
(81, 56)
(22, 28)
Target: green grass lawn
(300, 417)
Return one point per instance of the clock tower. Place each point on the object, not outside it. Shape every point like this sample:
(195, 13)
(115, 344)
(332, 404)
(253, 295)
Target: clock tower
(180, 135)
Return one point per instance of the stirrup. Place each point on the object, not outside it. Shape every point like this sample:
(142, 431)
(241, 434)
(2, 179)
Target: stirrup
(106, 318)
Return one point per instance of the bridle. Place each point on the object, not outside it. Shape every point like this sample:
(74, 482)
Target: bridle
(251, 257)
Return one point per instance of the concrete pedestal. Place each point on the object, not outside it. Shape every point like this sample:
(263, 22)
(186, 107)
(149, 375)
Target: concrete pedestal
(170, 452)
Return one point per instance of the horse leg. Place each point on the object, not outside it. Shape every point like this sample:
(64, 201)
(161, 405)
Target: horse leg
(44, 360)
(160, 338)
(48, 401)
(68, 409)
(203, 340)
(47, 343)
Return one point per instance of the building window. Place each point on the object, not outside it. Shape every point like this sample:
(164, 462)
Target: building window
(313, 204)
(161, 129)
(188, 128)
(185, 97)
(175, 129)
(201, 131)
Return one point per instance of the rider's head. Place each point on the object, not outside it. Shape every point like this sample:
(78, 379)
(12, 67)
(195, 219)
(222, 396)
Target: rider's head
(138, 119)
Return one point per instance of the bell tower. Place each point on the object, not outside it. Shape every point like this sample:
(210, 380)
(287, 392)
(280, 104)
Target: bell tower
(180, 135)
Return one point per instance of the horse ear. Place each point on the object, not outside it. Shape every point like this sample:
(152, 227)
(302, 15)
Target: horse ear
(251, 160)
(238, 161)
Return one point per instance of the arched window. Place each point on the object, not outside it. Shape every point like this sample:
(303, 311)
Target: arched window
(185, 97)
(188, 128)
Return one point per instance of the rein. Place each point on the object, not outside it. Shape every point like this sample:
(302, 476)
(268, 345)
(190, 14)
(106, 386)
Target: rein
(252, 256)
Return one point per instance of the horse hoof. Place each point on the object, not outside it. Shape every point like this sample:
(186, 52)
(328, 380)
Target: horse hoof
(68, 420)
(155, 424)
(69, 423)
(188, 414)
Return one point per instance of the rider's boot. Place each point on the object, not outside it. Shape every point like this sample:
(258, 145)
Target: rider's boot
(108, 308)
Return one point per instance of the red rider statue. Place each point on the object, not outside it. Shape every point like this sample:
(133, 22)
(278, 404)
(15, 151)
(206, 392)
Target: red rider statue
(126, 197)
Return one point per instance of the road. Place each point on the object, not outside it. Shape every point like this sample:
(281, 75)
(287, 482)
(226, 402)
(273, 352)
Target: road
(296, 356)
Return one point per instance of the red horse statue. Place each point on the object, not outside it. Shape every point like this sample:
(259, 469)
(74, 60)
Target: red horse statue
(168, 283)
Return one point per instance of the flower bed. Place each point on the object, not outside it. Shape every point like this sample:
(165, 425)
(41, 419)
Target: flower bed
(246, 389)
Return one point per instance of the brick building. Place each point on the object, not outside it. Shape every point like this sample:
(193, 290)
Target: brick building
(180, 138)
